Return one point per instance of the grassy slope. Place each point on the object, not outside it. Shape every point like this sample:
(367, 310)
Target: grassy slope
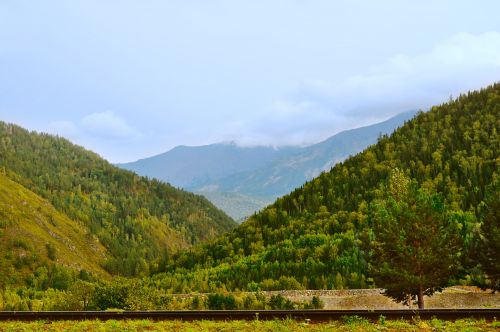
(28, 223)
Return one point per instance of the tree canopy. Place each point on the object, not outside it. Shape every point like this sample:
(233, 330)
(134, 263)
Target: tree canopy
(417, 244)
(319, 236)
(488, 249)
(137, 219)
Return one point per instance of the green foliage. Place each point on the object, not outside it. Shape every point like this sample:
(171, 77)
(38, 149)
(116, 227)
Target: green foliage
(250, 326)
(417, 245)
(135, 218)
(21, 243)
(81, 294)
(221, 302)
(316, 303)
(488, 250)
(51, 276)
(195, 303)
(277, 302)
(111, 295)
(41, 247)
(51, 251)
(355, 320)
(321, 233)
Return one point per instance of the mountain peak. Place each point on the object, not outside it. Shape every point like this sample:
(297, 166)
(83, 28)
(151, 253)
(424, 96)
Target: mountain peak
(259, 173)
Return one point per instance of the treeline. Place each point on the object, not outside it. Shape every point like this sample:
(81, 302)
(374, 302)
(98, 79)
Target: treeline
(319, 235)
(138, 220)
(134, 294)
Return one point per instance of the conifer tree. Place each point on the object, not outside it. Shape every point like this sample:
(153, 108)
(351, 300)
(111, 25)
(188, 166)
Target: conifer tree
(488, 252)
(416, 245)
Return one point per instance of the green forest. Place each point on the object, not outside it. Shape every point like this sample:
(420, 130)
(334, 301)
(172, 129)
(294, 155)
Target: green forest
(139, 221)
(327, 234)
(320, 235)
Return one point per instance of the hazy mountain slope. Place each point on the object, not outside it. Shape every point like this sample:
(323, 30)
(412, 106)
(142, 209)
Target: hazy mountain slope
(190, 167)
(236, 205)
(136, 219)
(283, 175)
(30, 227)
(243, 180)
(319, 235)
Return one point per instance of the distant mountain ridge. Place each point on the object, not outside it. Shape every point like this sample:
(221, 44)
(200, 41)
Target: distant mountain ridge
(195, 166)
(284, 174)
(242, 180)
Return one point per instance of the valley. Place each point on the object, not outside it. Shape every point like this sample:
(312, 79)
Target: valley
(74, 225)
(242, 180)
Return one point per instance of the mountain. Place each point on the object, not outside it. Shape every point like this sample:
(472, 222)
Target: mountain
(243, 180)
(287, 173)
(319, 235)
(190, 167)
(136, 219)
(238, 206)
(34, 236)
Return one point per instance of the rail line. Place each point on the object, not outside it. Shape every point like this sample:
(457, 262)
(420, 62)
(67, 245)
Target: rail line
(312, 315)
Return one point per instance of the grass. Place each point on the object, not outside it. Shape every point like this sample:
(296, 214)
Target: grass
(348, 324)
(33, 232)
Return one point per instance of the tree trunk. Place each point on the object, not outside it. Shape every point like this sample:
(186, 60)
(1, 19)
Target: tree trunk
(420, 297)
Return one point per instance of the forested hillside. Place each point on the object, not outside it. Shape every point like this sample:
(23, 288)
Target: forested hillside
(40, 245)
(138, 220)
(319, 235)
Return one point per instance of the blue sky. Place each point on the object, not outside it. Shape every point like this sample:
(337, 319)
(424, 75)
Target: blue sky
(129, 79)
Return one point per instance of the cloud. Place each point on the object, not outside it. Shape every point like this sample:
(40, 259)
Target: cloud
(287, 122)
(108, 125)
(304, 104)
(462, 62)
(320, 107)
(103, 126)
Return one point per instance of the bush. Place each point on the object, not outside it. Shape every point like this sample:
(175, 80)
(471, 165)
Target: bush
(51, 251)
(279, 302)
(316, 303)
(221, 302)
(111, 295)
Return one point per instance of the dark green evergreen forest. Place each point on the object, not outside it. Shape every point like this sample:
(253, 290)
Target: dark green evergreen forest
(319, 236)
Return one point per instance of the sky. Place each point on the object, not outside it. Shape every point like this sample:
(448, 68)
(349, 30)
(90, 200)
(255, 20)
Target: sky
(131, 79)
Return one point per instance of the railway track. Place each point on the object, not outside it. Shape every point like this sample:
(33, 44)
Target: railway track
(312, 315)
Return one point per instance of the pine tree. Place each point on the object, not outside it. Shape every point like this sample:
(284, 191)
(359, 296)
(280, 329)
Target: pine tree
(416, 245)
